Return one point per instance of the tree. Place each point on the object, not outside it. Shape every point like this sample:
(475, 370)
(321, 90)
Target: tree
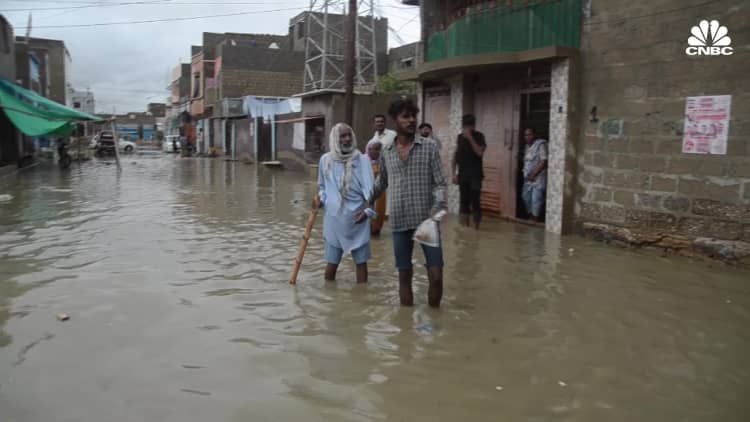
(389, 84)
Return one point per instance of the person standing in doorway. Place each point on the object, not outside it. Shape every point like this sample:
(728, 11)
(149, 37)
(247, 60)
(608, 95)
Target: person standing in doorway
(346, 186)
(383, 135)
(374, 149)
(410, 167)
(534, 174)
(425, 129)
(467, 170)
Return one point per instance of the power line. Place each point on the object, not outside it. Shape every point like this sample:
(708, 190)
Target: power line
(408, 22)
(189, 18)
(65, 12)
(90, 5)
(53, 1)
(679, 9)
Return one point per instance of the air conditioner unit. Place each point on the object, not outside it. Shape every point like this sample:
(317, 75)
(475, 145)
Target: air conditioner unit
(232, 107)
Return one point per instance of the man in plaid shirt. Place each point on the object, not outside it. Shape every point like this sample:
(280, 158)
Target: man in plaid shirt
(411, 170)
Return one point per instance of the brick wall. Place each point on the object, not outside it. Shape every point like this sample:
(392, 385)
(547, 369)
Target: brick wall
(240, 82)
(632, 172)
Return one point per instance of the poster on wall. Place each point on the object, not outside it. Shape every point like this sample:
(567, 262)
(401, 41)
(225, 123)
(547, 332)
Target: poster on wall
(706, 124)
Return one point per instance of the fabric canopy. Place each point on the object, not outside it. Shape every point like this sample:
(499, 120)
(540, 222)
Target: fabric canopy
(35, 115)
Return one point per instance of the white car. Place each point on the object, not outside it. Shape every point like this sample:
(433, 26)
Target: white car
(126, 146)
(171, 143)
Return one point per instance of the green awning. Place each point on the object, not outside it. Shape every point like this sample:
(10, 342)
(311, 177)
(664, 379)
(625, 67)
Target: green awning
(35, 115)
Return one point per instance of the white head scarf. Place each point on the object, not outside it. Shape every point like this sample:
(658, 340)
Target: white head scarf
(336, 154)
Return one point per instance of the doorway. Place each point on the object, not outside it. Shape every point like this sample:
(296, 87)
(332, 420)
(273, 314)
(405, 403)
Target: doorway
(437, 107)
(535, 114)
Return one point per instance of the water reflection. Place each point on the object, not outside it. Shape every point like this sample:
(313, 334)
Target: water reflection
(174, 272)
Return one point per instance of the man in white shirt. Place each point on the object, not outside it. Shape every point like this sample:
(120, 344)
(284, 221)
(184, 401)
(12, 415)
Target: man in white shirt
(382, 135)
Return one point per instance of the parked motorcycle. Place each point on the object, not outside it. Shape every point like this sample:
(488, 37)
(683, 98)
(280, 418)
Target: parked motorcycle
(64, 159)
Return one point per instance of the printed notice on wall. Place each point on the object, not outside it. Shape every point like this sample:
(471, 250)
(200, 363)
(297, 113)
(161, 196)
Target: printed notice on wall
(706, 124)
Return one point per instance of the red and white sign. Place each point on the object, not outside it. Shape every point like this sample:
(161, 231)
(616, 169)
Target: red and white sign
(706, 124)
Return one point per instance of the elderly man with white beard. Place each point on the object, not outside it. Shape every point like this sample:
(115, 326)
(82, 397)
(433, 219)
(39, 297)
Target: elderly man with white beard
(346, 184)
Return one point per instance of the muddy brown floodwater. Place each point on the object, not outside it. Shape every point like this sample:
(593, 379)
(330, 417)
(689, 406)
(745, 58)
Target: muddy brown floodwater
(174, 275)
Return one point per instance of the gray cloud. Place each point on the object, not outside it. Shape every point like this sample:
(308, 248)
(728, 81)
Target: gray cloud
(128, 66)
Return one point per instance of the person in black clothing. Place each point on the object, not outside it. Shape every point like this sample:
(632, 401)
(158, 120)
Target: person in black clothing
(467, 172)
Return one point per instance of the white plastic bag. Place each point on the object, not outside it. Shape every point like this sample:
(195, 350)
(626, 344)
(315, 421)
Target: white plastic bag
(428, 233)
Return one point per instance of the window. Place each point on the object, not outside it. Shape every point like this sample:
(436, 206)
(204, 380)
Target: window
(6, 37)
(300, 29)
(196, 85)
(407, 63)
(76, 104)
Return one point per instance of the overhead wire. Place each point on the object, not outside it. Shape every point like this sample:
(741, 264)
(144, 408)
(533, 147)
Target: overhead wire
(647, 15)
(172, 19)
(93, 5)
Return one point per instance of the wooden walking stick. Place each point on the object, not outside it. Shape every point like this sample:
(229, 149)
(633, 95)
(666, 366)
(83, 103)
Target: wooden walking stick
(303, 244)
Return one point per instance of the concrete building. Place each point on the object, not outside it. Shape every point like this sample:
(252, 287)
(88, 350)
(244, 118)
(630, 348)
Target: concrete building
(229, 67)
(243, 69)
(325, 109)
(44, 66)
(7, 51)
(9, 137)
(135, 126)
(402, 61)
(608, 87)
(83, 101)
(634, 181)
(204, 93)
(157, 109)
(179, 98)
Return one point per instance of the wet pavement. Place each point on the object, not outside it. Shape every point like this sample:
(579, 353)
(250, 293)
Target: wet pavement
(174, 273)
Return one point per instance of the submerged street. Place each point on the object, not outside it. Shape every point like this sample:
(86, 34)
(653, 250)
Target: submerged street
(174, 274)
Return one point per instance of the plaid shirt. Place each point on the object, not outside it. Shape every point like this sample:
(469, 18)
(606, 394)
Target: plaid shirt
(417, 185)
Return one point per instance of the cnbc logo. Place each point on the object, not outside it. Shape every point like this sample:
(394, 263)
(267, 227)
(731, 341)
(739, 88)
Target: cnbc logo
(709, 39)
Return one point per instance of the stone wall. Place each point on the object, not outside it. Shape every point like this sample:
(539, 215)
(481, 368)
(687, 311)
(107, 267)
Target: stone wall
(635, 79)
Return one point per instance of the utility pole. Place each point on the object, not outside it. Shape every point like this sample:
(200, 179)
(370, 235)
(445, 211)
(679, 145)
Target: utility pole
(350, 62)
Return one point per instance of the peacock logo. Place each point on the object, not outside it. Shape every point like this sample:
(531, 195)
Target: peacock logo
(709, 39)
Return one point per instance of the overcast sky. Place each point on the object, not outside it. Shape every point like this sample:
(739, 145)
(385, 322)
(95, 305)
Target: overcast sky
(128, 66)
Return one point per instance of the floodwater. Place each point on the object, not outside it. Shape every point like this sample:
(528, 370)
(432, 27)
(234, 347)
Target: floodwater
(174, 274)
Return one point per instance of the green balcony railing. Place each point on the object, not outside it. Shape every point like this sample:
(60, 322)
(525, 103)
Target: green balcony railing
(509, 26)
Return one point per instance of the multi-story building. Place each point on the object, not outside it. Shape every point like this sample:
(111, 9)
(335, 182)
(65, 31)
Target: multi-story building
(44, 66)
(623, 101)
(9, 136)
(179, 99)
(7, 51)
(83, 101)
(203, 86)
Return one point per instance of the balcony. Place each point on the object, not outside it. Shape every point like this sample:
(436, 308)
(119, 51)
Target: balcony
(508, 26)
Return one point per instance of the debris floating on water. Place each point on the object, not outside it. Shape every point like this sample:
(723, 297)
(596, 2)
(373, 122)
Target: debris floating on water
(5, 197)
(499, 388)
(63, 317)
(562, 383)
(729, 301)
